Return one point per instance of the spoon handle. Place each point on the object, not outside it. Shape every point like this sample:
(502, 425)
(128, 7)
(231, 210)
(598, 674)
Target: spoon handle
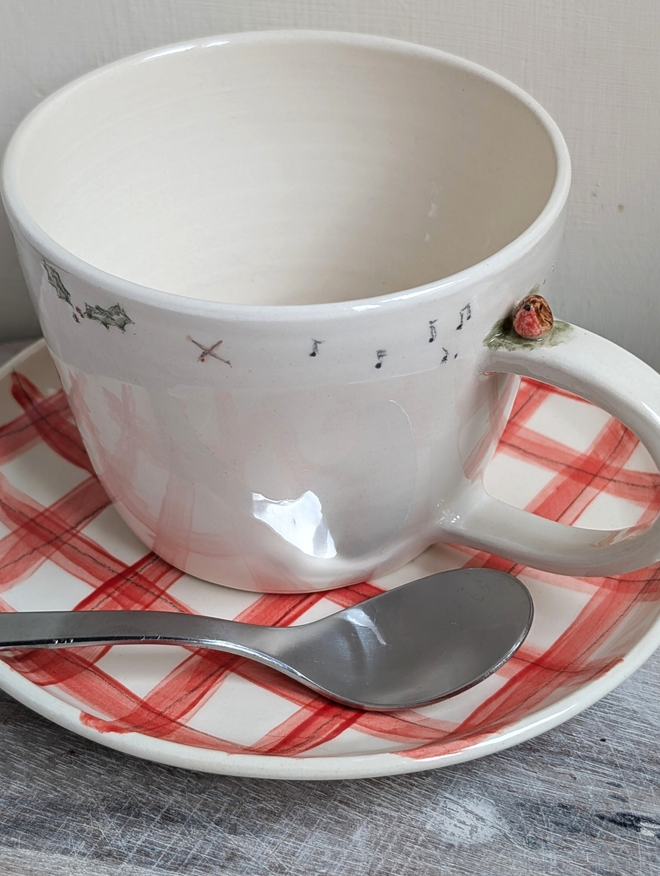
(65, 629)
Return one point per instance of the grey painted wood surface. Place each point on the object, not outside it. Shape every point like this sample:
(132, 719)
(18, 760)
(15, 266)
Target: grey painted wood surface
(583, 799)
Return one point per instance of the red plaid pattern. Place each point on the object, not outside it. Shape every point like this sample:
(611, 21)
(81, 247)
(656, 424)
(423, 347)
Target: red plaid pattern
(63, 546)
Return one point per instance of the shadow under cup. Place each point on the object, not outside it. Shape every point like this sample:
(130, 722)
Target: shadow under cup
(290, 171)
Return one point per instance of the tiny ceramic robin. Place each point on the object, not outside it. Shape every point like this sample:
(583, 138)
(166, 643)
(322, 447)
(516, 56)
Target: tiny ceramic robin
(532, 318)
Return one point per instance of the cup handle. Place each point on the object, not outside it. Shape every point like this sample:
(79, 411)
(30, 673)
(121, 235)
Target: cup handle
(612, 378)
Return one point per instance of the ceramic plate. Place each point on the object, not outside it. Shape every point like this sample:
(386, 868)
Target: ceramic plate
(62, 546)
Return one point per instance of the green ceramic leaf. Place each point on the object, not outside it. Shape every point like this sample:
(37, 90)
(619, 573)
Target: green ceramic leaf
(503, 337)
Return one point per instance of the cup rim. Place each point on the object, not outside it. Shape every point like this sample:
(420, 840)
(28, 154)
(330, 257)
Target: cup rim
(474, 274)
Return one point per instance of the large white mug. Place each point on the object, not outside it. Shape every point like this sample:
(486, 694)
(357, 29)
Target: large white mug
(272, 269)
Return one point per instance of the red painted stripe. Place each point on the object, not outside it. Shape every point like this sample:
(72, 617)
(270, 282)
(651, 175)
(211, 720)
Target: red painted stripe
(57, 429)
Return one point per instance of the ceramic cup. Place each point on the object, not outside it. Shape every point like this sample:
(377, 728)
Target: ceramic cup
(272, 271)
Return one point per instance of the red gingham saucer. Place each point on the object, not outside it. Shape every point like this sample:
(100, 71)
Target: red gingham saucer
(62, 546)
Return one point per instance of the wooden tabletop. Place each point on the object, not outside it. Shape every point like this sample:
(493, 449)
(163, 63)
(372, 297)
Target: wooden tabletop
(582, 799)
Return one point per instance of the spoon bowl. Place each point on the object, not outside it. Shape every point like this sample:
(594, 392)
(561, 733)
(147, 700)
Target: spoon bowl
(405, 648)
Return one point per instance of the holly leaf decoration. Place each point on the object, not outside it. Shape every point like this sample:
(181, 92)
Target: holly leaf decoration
(56, 282)
(114, 316)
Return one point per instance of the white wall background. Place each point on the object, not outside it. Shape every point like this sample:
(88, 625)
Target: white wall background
(594, 64)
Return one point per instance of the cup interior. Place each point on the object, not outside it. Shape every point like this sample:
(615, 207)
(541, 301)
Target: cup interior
(286, 170)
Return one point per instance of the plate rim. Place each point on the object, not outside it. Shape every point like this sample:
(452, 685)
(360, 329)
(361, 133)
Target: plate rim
(336, 767)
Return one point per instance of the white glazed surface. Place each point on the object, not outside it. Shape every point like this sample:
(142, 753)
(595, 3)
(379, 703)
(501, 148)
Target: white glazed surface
(293, 170)
(275, 469)
(288, 448)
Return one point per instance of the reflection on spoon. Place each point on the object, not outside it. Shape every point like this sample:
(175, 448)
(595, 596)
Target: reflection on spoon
(361, 620)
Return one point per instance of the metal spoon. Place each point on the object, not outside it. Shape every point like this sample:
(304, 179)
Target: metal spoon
(407, 647)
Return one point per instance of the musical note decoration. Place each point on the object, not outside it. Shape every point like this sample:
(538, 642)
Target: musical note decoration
(466, 315)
